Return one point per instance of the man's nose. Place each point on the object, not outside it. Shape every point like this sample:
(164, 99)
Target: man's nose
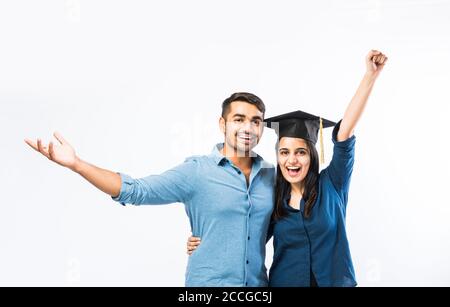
(247, 126)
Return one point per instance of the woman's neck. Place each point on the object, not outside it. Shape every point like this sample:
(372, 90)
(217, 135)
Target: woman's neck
(297, 189)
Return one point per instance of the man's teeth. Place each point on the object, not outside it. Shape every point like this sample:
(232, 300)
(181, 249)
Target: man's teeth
(245, 137)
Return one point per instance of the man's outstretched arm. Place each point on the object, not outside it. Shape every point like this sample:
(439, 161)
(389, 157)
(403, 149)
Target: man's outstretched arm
(63, 154)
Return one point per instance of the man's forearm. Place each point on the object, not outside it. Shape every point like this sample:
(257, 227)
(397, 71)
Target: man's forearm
(105, 180)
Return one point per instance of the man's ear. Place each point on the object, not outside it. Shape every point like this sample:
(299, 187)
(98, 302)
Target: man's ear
(222, 124)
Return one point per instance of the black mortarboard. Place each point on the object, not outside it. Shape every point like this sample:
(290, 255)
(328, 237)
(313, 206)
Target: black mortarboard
(299, 124)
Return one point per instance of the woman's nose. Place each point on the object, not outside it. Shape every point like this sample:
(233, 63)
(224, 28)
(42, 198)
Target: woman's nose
(292, 159)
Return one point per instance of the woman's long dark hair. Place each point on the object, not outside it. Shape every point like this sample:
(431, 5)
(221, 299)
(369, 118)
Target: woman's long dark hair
(283, 187)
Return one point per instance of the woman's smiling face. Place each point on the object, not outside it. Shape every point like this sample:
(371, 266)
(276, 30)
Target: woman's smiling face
(294, 159)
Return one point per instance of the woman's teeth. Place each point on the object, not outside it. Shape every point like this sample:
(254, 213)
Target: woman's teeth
(293, 171)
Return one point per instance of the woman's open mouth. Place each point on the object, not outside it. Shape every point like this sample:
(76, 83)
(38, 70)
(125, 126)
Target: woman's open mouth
(293, 171)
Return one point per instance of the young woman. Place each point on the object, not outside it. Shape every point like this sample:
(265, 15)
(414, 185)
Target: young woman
(308, 221)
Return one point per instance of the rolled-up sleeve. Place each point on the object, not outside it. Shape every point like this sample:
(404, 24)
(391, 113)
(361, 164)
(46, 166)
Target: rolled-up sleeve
(341, 165)
(174, 185)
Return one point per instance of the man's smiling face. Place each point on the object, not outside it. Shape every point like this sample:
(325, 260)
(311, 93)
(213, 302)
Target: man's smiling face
(242, 126)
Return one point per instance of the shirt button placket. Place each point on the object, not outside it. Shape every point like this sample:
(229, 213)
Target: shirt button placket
(248, 232)
(248, 226)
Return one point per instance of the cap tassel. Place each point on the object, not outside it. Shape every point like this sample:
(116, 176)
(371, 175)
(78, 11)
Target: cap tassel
(322, 154)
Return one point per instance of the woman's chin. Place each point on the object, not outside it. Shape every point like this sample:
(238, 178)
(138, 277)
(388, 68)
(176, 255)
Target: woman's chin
(293, 180)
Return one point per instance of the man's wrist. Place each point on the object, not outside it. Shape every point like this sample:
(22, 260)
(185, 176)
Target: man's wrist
(77, 165)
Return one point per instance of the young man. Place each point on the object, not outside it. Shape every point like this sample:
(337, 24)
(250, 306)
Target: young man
(228, 195)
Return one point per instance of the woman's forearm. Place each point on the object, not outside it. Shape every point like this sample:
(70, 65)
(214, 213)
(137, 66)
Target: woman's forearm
(375, 61)
(356, 107)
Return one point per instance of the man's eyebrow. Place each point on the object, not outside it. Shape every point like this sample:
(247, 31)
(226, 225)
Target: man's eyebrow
(242, 115)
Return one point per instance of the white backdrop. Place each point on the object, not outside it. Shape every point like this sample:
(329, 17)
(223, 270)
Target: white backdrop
(136, 86)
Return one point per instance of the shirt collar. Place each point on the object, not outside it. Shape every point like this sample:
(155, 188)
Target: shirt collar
(219, 157)
(216, 154)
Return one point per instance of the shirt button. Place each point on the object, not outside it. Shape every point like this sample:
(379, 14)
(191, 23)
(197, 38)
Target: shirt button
(247, 261)
(246, 283)
(248, 238)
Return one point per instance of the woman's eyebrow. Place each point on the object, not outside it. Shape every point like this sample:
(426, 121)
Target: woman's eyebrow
(297, 149)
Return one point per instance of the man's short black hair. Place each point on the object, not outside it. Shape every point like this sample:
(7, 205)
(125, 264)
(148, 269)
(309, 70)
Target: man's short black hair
(245, 97)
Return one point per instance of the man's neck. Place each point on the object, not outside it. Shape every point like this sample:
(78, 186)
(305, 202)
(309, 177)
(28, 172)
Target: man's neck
(240, 159)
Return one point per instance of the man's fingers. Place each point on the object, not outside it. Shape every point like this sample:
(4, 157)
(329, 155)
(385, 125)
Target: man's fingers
(42, 149)
(192, 244)
(39, 145)
(50, 151)
(59, 137)
(32, 144)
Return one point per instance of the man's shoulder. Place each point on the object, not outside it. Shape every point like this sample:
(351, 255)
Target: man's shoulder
(198, 160)
(267, 165)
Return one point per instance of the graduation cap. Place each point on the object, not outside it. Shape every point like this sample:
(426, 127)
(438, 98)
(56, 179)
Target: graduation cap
(299, 124)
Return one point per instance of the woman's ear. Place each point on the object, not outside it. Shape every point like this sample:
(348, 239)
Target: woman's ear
(222, 124)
